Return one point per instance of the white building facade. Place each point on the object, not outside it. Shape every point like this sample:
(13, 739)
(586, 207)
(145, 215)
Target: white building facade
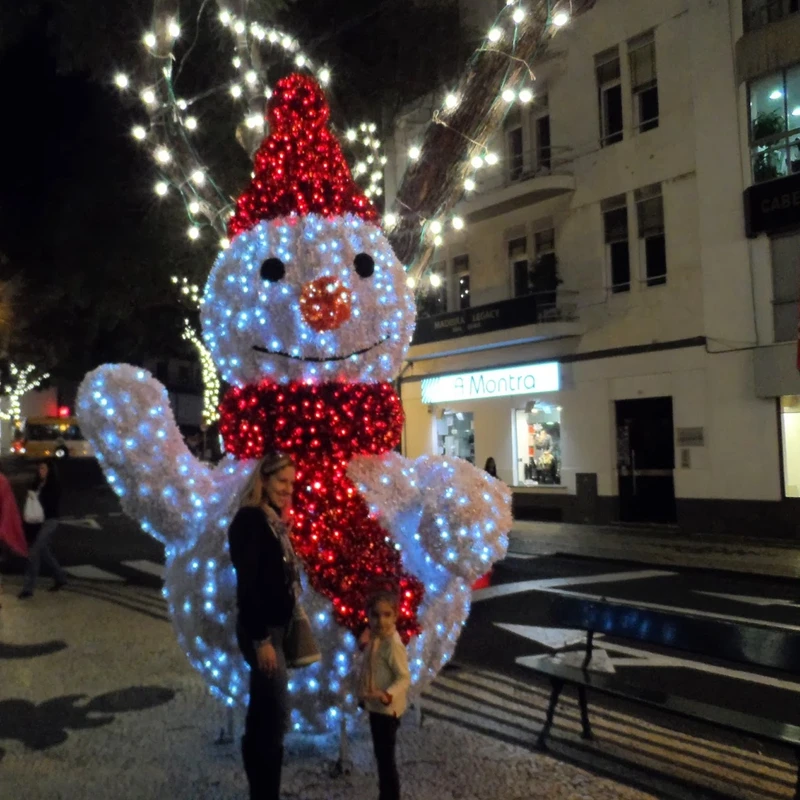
(611, 326)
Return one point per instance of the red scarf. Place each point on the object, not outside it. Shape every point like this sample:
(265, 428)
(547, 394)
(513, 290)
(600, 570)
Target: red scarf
(323, 426)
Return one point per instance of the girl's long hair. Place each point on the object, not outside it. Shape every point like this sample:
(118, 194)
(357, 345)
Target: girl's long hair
(253, 492)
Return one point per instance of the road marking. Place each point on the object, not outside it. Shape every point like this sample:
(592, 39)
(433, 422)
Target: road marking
(553, 583)
(553, 638)
(83, 522)
(755, 601)
(150, 567)
(689, 612)
(92, 573)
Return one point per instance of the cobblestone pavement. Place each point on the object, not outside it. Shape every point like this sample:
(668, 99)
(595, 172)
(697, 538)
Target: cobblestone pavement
(96, 700)
(754, 555)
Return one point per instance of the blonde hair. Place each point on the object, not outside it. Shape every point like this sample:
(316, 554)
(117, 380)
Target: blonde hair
(253, 492)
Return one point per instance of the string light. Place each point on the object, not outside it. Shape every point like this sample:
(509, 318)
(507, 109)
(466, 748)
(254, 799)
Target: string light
(191, 123)
(139, 133)
(161, 188)
(23, 380)
(150, 40)
(525, 96)
(560, 18)
(121, 80)
(210, 378)
(495, 35)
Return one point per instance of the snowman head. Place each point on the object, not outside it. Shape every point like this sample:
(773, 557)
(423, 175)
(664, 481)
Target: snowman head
(309, 288)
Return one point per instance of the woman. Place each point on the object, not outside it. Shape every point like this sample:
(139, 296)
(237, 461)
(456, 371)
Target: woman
(490, 467)
(46, 486)
(267, 588)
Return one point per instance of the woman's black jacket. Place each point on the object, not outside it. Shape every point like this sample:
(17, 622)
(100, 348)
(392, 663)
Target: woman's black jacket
(264, 593)
(49, 495)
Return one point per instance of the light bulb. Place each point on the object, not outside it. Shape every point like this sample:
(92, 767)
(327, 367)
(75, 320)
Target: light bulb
(451, 101)
(436, 226)
(191, 123)
(458, 223)
(162, 155)
(194, 207)
(324, 76)
(193, 232)
(254, 121)
(351, 135)
(224, 243)
(182, 105)
(139, 132)
(237, 62)
(300, 60)
(236, 90)
(437, 241)
(508, 95)
(150, 39)
(414, 153)
(225, 17)
(251, 77)
(518, 15)
(198, 177)
(495, 35)
(525, 96)
(491, 158)
(410, 282)
(560, 19)
(173, 29)
(239, 26)
(776, 94)
(121, 79)
(476, 161)
(469, 185)
(390, 220)
(148, 97)
(435, 280)
(161, 188)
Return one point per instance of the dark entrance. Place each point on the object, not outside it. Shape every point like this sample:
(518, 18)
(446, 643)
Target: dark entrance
(646, 460)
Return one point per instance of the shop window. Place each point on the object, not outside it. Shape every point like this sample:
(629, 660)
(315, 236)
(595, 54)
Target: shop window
(432, 293)
(644, 84)
(790, 431)
(520, 267)
(785, 286)
(615, 224)
(650, 218)
(455, 435)
(775, 125)
(609, 90)
(537, 431)
(461, 283)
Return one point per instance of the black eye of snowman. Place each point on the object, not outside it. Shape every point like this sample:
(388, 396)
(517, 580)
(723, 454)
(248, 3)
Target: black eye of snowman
(272, 270)
(364, 264)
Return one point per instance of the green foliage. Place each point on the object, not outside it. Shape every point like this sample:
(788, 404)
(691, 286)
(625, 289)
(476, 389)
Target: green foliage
(768, 124)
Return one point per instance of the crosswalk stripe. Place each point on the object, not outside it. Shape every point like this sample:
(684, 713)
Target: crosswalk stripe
(150, 567)
(92, 573)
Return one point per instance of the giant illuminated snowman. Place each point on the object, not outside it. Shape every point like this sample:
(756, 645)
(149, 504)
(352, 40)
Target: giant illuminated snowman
(308, 317)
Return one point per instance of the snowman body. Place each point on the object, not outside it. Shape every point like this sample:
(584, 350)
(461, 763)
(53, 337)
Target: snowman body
(308, 317)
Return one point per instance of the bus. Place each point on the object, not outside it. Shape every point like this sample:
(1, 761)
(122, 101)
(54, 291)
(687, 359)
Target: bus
(51, 437)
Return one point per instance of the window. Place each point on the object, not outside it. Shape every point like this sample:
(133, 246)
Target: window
(432, 294)
(790, 433)
(775, 125)
(538, 444)
(520, 267)
(609, 91)
(543, 149)
(758, 13)
(516, 153)
(455, 435)
(461, 282)
(785, 286)
(644, 86)
(615, 223)
(650, 218)
(545, 272)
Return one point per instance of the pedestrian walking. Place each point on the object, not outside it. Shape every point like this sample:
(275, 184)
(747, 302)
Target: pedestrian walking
(383, 686)
(490, 467)
(12, 537)
(47, 490)
(267, 590)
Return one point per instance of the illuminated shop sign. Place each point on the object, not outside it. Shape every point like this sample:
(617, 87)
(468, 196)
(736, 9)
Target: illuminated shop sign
(532, 379)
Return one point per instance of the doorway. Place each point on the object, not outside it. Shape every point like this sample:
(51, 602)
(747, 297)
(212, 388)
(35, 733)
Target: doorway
(646, 460)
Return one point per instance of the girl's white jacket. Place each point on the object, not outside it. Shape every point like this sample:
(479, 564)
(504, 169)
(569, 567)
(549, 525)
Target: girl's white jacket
(386, 662)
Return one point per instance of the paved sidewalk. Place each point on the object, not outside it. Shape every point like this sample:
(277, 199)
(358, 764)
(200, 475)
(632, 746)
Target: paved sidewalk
(658, 547)
(96, 700)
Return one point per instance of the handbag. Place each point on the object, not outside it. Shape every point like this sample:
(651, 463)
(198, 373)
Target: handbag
(299, 645)
(32, 513)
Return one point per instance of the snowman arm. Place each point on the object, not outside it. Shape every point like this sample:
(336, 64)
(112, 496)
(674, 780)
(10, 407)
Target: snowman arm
(125, 414)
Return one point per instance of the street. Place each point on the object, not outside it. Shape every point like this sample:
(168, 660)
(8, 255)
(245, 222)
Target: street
(488, 688)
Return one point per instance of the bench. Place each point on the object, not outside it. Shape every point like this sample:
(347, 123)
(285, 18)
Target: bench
(741, 644)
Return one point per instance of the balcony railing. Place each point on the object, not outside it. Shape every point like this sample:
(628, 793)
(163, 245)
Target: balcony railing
(518, 168)
(758, 13)
(556, 305)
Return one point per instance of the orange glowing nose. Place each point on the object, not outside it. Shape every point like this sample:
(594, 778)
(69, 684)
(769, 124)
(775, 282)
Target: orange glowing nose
(325, 304)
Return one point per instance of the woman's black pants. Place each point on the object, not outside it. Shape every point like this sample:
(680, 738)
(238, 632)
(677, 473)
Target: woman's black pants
(266, 723)
(384, 740)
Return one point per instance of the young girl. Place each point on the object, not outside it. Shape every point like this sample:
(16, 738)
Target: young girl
(383, 686)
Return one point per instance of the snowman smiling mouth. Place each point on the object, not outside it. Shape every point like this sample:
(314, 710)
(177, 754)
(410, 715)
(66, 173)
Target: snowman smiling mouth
(320, 359)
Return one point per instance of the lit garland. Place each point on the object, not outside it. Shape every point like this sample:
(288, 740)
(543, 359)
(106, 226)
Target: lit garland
(315, 382)
(23, 380)
(211, 383)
